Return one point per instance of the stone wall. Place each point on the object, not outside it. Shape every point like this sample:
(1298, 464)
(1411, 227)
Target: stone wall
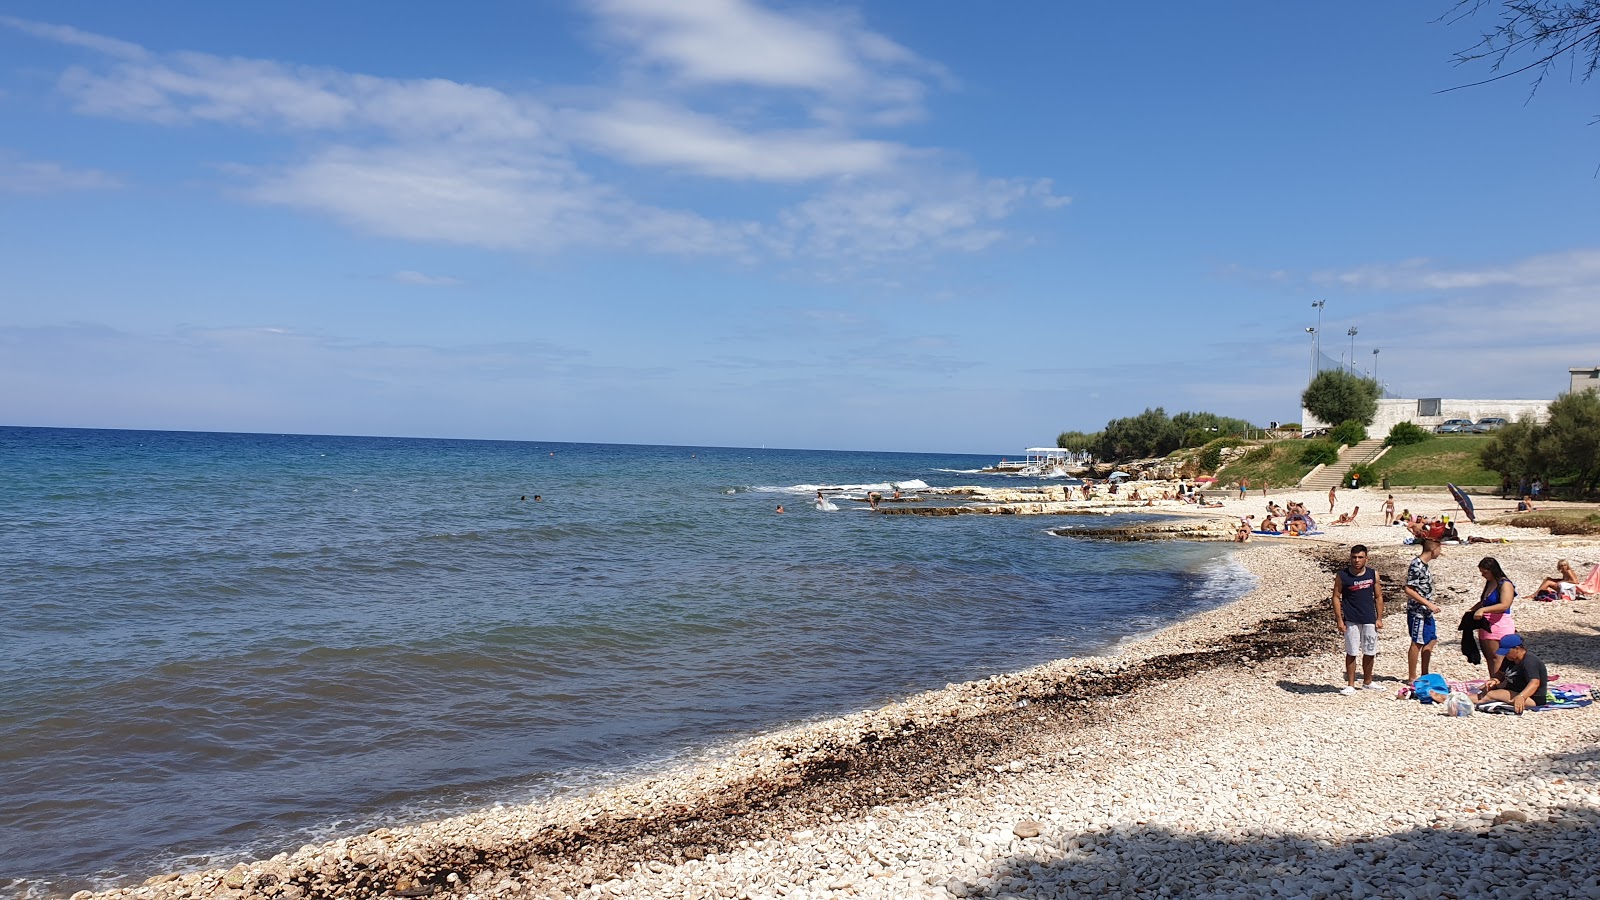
(1393, 412)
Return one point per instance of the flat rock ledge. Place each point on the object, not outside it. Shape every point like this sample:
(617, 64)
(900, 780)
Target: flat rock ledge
(1181, 530)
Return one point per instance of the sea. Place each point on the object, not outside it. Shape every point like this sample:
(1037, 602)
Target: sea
(218, 647)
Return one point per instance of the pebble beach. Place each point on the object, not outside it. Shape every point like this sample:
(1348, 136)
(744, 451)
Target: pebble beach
(1214, 758)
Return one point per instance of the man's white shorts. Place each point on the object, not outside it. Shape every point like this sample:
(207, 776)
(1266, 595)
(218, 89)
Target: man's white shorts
(1360, 640)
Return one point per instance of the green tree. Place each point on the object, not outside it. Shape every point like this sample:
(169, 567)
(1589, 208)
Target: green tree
(1569, 443)
(1076, 441)
(1200, 428)
(1150, 433)
(1510, 451)
(1335, 396)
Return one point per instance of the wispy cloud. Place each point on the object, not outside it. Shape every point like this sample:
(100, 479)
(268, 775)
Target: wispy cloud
(1507, 328)
(728, 90)
(21, 176)
(1578, 268)
(421, 279)
(66, 34)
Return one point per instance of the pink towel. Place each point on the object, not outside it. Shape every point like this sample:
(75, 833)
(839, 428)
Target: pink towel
(1591, 582)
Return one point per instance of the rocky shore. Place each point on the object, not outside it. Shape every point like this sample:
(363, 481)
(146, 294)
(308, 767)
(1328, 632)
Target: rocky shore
(1213, 758)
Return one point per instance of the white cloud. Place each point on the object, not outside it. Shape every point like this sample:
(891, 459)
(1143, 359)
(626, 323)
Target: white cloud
(422, 279)
(455, 195)
(730, 41)
(1506, 329)
(651, 133)
(20, 176)
(66, 34)
(870, 221)
(1572, 268)
(442, 161)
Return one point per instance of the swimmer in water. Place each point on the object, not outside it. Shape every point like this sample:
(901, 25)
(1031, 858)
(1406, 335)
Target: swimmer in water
(780, 507)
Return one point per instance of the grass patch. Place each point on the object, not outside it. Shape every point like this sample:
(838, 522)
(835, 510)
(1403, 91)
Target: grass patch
(1277, 463)
(1559, 521)
(1448, 458)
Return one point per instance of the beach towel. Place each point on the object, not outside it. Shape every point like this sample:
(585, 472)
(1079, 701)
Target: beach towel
(1590, 583)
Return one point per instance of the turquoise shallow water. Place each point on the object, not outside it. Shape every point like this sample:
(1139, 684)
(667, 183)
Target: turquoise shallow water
(226, 645)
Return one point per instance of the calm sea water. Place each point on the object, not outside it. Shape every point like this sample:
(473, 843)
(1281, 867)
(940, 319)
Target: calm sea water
(216, 646)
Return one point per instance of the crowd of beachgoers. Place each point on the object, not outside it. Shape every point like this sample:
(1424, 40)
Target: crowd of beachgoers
(1231, 755)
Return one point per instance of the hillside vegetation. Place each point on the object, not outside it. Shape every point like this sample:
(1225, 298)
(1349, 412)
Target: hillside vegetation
(1432, 463)
(1447, 458)
(1277, 464)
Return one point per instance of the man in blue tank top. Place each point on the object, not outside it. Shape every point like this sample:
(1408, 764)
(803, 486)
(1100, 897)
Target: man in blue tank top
(1358, 608)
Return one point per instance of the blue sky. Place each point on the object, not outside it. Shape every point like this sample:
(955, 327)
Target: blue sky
(896, 226)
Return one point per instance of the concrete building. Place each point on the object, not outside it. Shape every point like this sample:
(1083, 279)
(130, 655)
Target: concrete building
(1431, 412)
(1585, 379)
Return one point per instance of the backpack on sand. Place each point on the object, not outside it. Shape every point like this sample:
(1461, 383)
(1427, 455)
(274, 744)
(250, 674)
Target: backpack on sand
(1425, 687)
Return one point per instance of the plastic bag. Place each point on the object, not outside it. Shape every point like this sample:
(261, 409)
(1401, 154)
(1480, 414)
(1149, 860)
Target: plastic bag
(1458, 704)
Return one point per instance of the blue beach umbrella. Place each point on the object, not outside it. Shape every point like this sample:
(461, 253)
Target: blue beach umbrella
(1464, 502)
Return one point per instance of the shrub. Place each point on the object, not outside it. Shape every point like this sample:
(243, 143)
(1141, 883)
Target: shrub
(1368, 476)
(1319, 453)
(1289, 426)
(1405, 433)
(1349, 432)
(1259, 454)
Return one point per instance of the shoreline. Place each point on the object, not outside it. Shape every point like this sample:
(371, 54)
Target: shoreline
(762, 779)
(750, 816)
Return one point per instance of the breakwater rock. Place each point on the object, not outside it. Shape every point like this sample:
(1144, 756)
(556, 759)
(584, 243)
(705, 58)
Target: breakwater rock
(1044, 508)
(1181, 530)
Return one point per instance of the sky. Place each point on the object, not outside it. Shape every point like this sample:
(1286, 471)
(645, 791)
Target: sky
(882, 226)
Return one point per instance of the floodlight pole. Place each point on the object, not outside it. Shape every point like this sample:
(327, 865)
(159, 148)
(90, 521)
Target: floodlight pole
(1352, 334)
(1313, 332)
(1375, 365)
(1317, 356)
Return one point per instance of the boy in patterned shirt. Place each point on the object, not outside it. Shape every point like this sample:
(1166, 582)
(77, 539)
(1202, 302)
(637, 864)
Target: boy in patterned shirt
(1420, 608)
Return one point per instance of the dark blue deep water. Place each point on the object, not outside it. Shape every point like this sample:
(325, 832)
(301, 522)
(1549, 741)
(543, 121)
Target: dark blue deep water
(215, 645)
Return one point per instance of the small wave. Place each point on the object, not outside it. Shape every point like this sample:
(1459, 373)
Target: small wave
(1222, 579)
(915, 484)
(962, 471)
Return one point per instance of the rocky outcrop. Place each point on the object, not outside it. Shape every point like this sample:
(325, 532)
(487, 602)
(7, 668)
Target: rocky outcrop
(1180, 530)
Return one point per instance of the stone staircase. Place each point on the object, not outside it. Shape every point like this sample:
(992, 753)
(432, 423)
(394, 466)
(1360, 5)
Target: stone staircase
(1333, 473)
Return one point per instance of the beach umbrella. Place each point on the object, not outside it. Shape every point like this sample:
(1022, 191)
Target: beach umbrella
(1119, 475)
(1204, 478)
(1464, 502)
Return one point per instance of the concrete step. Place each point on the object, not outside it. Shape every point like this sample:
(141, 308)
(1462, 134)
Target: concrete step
(1333, 473)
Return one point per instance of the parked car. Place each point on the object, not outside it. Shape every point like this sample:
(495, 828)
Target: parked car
(1454, 426)
(1492, 423)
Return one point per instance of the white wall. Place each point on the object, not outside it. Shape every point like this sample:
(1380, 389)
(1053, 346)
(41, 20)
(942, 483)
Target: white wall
(1393, 412)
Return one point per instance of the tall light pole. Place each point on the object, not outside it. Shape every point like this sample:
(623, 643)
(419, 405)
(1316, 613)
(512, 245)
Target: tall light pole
(1352, 334)
(1313, 332)
(1375, 370)
(1317, 356)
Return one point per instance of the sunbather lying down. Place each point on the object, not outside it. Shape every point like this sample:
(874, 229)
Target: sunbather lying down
(1348, 518)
